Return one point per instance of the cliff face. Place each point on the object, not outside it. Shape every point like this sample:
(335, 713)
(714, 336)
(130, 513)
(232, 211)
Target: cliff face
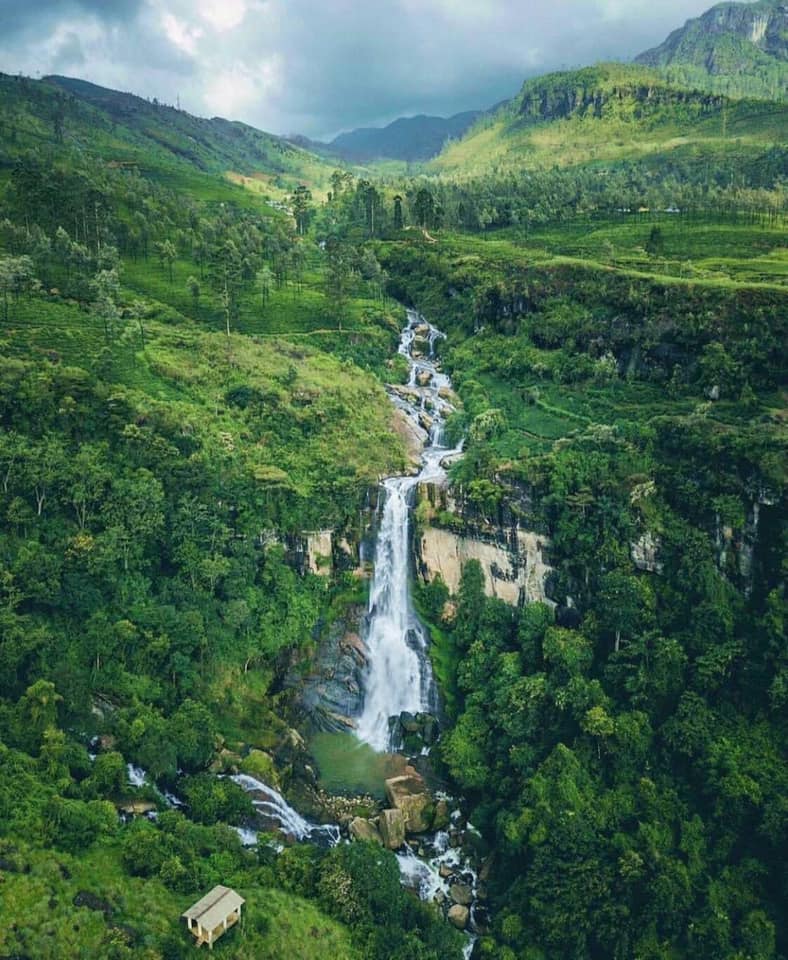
(608, 90)
(515, 570)
(514, 557)
(760, 27)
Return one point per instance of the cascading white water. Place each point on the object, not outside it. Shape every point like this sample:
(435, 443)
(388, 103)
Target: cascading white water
(273, 806)
(399, 675)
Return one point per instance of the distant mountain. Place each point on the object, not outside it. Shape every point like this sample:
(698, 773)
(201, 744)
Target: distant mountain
(740, 49)
(408, 138)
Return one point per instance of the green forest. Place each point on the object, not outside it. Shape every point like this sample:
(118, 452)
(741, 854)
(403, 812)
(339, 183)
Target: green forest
(199, 322)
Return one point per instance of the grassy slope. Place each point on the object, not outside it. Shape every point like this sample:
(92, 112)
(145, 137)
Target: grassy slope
(343, 411)
(705, 254)
(277, 925)
(731, 259)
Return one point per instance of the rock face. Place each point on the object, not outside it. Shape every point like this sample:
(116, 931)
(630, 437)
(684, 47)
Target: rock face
(513, 571)
(459, 916)
(319, 550)
(762, 25)
(413, 732)
(392, 829)
(361, 829)
(413, 436)
(410, 796)
(332, 693)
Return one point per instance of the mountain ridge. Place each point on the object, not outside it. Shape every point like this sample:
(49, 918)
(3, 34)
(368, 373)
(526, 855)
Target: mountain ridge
(135, 129)
(419, 137)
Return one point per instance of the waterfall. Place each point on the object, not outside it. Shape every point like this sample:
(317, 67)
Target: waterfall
(399, 674)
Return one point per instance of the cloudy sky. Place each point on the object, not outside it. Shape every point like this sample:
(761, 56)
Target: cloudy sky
(312, 67)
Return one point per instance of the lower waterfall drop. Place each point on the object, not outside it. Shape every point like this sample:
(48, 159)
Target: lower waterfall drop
(399, 674)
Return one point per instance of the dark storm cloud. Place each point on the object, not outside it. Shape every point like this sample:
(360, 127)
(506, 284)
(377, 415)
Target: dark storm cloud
(18, 17)
(316, 68)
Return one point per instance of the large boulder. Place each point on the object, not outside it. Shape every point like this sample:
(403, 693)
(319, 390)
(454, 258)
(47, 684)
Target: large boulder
(461, 893)
(392, 828)
(459, 916)
(409, 794)
(442, 818)
(259, 764)
(361, 829)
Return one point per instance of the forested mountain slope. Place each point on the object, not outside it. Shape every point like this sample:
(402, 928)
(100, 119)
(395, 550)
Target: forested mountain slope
(611, 113)
(740, 49)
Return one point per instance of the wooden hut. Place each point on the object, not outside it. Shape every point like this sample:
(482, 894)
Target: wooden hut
(213, 915)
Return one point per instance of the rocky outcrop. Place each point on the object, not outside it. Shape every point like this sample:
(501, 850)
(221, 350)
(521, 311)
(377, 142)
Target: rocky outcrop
(645, 553)
(412, 435)
(515, 569)
(414, 732)
(459, 916)
(364, 830)
(319, 552)
(763, 25)
(332, 695)
(461, 893)
(737, 546)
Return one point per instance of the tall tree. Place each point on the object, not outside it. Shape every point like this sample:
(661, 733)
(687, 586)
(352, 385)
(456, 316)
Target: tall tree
(302, 210)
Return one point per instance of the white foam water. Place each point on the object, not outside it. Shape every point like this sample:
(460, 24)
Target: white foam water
(137, 776)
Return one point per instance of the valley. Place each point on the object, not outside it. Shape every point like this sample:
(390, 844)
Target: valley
(400, 541)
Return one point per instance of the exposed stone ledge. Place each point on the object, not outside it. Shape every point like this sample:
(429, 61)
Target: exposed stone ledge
(514, 575)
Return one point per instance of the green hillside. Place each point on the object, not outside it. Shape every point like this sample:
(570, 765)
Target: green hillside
(127, 131)
(608, 114)
(739, 49)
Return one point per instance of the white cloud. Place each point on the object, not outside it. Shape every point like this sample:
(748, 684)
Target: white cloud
(180, 34)
(223, 14)
(235, 92)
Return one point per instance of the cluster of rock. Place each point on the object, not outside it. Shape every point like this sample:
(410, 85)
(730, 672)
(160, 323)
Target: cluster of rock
(431, 846)
(414, 731)
(411, 811)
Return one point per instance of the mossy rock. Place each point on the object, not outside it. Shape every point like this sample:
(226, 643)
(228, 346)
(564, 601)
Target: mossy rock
(259, 764)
